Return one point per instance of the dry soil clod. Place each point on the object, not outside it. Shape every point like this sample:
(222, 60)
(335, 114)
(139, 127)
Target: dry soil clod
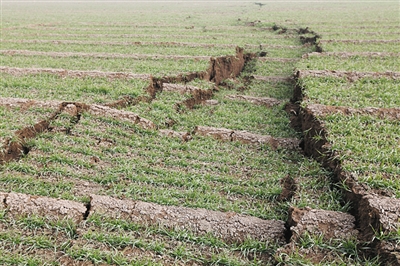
(231, 227)
(25, 205)
(247, 137)
(329, 224)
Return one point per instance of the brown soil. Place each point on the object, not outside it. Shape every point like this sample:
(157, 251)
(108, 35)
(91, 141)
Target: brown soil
(199, 97)
(373, 212)
(17, 147)
(289, 188)
(14, 149)
(229, 66)
(179, 88)
(350, 75)
(231, 227)
(330, 224)
(23, 205)
(247, 137)
(268, 102)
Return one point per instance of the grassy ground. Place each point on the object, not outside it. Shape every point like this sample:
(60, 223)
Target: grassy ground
(107, 156)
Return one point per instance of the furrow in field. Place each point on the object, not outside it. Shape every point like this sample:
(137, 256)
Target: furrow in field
(73, 73)
(272, 78)
(16, 147)
(277, 59)
(350, 75)
(350, 54)
(127, 43)
(359, 41)
(247, 137)
(268, 102)
(100, 55)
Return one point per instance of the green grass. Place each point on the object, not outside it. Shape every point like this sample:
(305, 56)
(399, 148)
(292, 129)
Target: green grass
(365, 92)
(53, 87)
(93, 47)
(353, 63)
(361, 47)
(274, 69)
(368, 148)
(335, 252)
(141, 165)
(19, 118)
(159, 67)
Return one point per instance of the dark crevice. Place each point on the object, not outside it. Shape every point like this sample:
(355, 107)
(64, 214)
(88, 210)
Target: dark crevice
(88, 208)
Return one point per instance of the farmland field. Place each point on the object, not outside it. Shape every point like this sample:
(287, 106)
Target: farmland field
(199, 133)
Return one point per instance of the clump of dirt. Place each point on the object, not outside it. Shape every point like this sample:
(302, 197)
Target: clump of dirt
(246, 137)
(289, 188)
(198, 97)
(222, 68)
(279, 29)
(231, 227)
(329, 224)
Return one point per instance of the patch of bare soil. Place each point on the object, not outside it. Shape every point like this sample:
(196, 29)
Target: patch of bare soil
(268, 102)
(349, 54)
(349, 75)
(198, 97)
(231, 227)
(22, 204)
(289, 188)
(101, 55)
(179, 88)
(247, 137)
(329, 224)
(73, 73)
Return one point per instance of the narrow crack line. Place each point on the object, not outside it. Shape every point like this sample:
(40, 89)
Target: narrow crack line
(88, 209)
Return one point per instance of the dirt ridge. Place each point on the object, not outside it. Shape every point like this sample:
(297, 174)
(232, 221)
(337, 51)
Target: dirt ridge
(350, 54)
(246, 137)
(178, 44)
(229, 226)
(268, 102)
(73, 73)
(374, 212)
(349, 75)
(101, 55)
